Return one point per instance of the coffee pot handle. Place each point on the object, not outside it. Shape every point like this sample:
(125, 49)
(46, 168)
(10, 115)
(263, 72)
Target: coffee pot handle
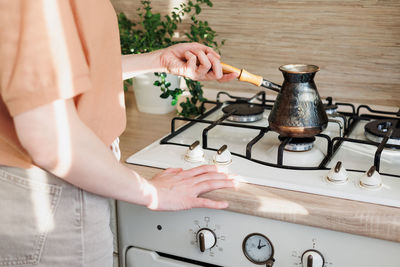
(246, 76)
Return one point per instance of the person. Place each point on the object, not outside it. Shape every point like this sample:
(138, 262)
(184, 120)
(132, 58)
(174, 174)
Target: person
(61, 107)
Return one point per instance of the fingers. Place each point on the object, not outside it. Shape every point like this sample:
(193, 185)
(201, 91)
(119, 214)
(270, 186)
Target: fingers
(207, 176)
(172, 170)
(216, 66)
(178, 189)
(195, 61)
(201, 62)
(229, 77)
(191, 64)
(210, 62)
(206, 49)
(208, 203)
(211, 51)
(210, 66)
(200, 170)
(211, 185)
(204, 64)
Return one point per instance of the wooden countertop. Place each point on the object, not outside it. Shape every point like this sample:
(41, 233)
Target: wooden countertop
(354, 217)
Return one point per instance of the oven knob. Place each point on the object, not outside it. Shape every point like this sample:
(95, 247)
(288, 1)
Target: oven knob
(371, 179)
(194, 153)
(223, 156)
(338, 174)
(206, 239)
(312, 258)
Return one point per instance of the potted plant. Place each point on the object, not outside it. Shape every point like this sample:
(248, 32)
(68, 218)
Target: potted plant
(152, 32)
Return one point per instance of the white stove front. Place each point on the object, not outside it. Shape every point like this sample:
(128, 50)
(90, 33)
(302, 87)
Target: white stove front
(168, 239)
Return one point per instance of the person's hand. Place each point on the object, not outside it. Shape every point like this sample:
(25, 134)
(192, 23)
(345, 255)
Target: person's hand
(195, 61)
(177, 189)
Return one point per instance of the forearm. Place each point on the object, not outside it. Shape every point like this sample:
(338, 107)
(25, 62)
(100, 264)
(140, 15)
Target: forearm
(135, 64)
(92, 167)
(77, 155)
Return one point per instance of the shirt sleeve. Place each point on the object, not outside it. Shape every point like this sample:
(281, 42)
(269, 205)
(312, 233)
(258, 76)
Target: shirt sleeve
(42, 57)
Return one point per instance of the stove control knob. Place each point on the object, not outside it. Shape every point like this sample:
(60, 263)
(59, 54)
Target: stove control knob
(338, 174)
(195, 153)
(312, 258)
(206, 239)
(371, 179)
(223, 156)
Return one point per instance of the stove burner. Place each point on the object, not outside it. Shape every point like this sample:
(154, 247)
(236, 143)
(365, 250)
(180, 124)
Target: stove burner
(244, 112)
(376, 130)
(299, 144)
(329, 107)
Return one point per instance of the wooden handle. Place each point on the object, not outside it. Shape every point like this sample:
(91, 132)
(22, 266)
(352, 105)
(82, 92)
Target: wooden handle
(250, 78)
(244, 75)
(229, 69)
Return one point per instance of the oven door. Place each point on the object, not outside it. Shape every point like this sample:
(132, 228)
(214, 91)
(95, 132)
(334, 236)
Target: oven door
(137, 257)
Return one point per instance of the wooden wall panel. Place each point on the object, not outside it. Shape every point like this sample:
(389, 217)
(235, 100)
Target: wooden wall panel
(355, 43)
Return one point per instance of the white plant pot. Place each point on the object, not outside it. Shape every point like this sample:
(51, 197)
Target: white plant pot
(147, 95)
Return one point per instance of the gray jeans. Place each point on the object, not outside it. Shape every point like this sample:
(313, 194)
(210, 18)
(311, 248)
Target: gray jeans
(45, 221)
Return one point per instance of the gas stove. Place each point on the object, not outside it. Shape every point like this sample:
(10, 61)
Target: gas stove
(356, 157)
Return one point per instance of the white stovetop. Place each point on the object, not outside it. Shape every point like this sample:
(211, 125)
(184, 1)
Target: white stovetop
(310, 181)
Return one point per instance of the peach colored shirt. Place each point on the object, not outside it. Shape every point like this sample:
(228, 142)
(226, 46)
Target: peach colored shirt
(59, 49)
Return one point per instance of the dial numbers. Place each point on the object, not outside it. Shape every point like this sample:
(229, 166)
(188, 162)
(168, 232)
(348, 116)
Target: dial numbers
(258, 248)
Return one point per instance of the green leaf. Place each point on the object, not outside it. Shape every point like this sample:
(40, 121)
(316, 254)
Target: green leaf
(178, 91)
(157, 83)
(164, 95)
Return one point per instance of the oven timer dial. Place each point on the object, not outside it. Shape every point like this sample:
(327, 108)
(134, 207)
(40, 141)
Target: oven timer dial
(206, 239)
(312, 258)
(258, 249)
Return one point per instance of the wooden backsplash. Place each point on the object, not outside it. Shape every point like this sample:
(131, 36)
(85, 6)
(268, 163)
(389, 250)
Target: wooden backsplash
(355, 43)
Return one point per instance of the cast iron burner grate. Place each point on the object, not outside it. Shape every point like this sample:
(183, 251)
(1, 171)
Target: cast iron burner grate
(298, 144)
(350, 119)
(244, 112)
(377, 130)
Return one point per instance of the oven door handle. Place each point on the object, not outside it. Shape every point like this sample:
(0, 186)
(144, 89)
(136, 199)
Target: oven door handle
(143, 257)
